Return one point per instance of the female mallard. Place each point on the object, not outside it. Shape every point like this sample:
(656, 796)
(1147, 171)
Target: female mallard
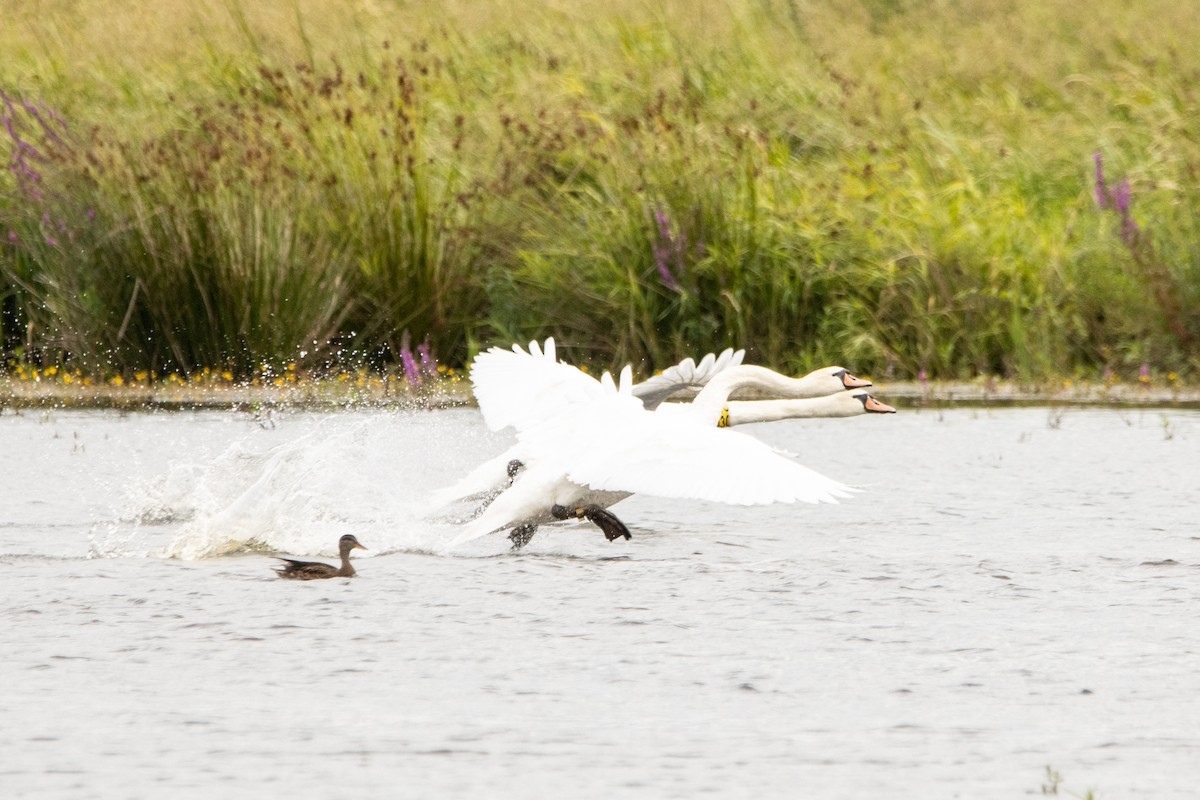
(313, 570)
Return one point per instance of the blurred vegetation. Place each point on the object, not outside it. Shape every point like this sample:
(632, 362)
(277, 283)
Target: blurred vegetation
(898, 186)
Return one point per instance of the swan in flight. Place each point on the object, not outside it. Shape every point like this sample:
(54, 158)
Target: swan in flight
(606, 446)
(519, 389)
(515, 388)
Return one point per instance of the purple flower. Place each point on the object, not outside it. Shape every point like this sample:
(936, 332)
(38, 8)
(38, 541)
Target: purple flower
(50, 240)
(428, 362)
(12, 237)
(1144, 373)
(666, 249)
(412, 372)
(1121, 197)
(1101, 188)
(91, 215)
(923, 376)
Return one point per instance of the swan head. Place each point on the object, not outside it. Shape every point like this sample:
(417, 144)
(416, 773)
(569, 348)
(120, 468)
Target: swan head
(871, 405)
(847, 380)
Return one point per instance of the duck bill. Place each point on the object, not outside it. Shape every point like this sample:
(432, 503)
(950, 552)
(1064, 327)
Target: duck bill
(874, 406)
(851, 382)
(358, 546)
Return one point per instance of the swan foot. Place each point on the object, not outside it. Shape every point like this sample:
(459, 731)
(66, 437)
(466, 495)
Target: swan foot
(605, 520)
(520, 535)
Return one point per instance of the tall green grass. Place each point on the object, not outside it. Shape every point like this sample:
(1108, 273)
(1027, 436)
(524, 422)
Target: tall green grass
(896, 187)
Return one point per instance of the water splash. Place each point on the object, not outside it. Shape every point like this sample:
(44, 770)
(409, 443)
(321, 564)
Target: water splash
(369, 476)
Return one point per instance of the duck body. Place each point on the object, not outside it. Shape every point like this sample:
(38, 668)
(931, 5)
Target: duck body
(316, 570)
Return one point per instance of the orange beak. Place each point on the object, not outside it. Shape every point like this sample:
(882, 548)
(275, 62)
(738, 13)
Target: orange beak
(851, 382)
(359, 546)
(877, 407)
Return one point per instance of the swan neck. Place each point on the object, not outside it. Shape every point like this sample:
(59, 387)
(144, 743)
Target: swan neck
(744, 411)
(712, 398)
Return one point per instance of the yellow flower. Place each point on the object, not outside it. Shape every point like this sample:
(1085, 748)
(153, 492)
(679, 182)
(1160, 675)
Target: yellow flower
(227, 375)
(51, 371)
(140, 376)
(1171, 376)
(117, 380)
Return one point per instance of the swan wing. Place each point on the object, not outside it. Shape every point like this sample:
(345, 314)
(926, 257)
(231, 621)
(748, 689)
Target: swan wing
(687, 374)
(528, 500)
(619, 448)
(490, 476)
(518, 388)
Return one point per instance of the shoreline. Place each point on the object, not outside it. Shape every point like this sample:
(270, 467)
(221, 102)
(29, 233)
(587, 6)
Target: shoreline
(378, 393)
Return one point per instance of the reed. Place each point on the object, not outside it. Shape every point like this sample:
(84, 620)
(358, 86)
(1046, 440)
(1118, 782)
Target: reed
(901, 188)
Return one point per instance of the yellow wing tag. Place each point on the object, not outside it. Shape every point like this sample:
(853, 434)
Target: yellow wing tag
(723, 421)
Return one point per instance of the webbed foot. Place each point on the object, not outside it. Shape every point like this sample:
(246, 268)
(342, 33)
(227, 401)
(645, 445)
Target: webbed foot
(605, 520)
(520, 535)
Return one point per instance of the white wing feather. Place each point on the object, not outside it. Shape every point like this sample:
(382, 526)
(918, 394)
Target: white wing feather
(687, 374)
(620, 447)
(520, 388)
(489, 476)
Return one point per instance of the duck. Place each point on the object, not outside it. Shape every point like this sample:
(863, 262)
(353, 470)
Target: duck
(598, 452)
(315, 570)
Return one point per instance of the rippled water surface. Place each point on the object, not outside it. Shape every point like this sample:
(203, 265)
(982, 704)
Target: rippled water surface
(1013, 589)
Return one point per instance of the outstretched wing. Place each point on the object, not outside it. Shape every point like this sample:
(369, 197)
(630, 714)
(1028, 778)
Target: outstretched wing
(687, 374)
(621, 448)
(490, 476)
(518, 388)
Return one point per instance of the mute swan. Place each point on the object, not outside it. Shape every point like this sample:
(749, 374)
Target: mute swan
(849, 403)
(497, 473)
(518, 388)
(314, 570)
(605, 448)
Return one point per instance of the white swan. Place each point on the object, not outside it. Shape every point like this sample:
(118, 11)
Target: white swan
(496, 473)
(519, 389)
(604, 448)
(849, 403)
(515, 388)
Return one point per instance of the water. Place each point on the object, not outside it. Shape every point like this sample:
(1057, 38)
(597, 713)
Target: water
(1015, 588)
